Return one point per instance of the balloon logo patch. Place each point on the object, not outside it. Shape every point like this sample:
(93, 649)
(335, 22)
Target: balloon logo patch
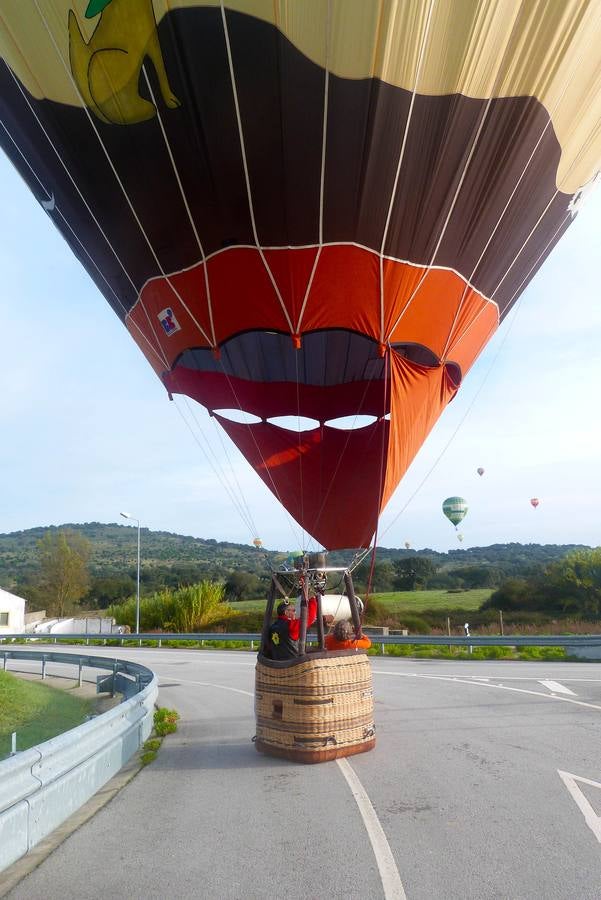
(168, 321)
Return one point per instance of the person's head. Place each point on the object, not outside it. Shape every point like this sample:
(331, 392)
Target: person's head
(286, 608)
(343, 631)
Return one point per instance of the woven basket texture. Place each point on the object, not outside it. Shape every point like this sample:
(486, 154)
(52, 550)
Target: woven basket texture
(315, 705)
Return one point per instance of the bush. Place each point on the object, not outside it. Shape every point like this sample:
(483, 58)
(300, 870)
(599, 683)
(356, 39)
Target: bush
(184, 609)
(165, 721)
(414, 624)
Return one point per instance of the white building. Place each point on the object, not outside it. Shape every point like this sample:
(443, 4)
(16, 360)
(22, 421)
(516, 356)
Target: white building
(12, 613)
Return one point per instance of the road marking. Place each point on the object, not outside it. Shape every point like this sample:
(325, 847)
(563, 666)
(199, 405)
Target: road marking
(391, 880)
(590, 816)
(486, 684)
(557, 688)
(224, 687)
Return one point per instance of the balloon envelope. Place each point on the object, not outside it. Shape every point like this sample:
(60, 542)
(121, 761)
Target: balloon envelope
(315, 215)
(480, 471)
(534, 502)
(455, 509)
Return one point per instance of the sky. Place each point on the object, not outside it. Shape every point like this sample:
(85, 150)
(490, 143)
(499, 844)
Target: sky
(88, 431)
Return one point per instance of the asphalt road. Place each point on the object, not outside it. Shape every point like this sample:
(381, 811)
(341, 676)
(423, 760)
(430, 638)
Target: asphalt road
(462, 797)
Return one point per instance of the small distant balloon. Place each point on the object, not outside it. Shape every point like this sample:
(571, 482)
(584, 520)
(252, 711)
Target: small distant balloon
(407, 545)
(534, 502)
(480, 470)
(258, 543)
(459, 537)
(455, 509)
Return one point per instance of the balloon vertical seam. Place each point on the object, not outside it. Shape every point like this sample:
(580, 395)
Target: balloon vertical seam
(245, 167)
(118, 178)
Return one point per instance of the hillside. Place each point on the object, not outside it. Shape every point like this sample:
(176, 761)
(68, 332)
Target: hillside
(114, 551)
(169, 558)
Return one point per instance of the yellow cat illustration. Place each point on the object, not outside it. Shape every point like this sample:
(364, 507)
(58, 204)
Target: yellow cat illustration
(107, 69)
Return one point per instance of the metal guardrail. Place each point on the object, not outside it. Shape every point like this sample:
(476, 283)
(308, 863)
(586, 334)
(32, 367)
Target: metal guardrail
(43, 786)
(485, 640)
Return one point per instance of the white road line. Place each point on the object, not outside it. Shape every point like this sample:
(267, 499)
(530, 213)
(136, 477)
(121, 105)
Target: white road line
(590, 816)
(224, 687)
(557, 688)
(487, 684)
(391, 880)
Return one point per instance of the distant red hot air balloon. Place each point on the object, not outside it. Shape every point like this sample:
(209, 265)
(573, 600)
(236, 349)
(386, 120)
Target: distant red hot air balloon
(534, 502)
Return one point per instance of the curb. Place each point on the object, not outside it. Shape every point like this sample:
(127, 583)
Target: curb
(11, 876)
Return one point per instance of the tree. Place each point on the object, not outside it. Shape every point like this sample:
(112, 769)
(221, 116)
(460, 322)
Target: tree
(64, 574)
(575, 582)
(382, 577)
(477, 576)
(413, 572)
(514, 593)
(242, 586)
(112, 589)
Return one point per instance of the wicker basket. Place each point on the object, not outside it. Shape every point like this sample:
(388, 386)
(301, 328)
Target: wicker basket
(315, 708)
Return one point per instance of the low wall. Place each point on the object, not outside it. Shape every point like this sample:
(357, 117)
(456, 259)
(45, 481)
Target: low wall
(43, 786)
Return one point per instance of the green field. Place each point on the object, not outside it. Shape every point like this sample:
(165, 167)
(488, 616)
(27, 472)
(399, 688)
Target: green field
(418, 601)
(406, 601)
(36, 712)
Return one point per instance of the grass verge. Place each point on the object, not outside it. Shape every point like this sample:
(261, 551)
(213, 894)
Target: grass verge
(36, 712)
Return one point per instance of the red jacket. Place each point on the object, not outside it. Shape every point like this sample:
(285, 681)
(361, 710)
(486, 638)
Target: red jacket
(294, 624)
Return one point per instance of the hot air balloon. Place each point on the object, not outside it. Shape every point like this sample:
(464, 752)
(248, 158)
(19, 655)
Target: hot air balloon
(258, 543)
(455, 509)
(407, 545)
(460, 537)
(312, 215)
(480, 471)
(534, 502)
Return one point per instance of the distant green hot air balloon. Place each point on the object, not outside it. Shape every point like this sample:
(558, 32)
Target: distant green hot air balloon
(455, 509)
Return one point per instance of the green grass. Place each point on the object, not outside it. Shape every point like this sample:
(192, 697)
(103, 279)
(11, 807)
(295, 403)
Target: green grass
(418, 601)
(36, 712)
(406, 601)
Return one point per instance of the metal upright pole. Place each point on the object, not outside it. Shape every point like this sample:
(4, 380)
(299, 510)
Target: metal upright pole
(350, 593)
(138, 586)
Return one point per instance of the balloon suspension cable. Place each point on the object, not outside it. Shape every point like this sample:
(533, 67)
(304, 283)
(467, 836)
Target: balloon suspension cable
(238, 500)
(446, 446)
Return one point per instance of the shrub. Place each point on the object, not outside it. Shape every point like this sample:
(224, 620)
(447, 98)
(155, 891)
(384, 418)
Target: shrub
(184, 609)
(165, 721)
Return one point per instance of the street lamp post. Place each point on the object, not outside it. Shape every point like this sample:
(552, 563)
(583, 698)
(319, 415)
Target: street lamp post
(133, 518)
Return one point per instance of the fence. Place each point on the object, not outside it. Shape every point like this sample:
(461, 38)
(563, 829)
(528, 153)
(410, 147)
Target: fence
(584, 646)
(43, 786)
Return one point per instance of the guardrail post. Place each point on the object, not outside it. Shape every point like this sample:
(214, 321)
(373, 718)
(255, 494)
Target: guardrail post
(114, 678)
(43, 668)
(79, 674)
(382, 651)
(160, 642)
(54, 641)
(13, 744)
(4, 662)
(252, 645)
